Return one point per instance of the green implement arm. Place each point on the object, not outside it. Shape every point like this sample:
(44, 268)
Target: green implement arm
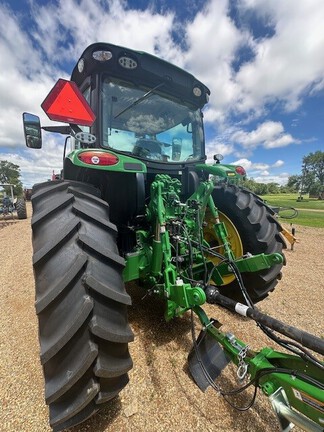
(293, 383)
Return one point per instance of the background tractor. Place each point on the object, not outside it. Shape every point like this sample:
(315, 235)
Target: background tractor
(136, 202)
(10, 205)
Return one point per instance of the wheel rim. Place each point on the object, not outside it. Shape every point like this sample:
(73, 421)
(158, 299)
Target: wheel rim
(233, 238)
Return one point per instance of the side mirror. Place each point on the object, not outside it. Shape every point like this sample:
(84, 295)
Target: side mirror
(176, 148)
(32, 130)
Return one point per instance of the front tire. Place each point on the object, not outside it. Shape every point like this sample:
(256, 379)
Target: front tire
(259, 232)
(81, 301)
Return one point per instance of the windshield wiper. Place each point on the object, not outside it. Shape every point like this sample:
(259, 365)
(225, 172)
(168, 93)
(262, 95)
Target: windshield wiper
(139, 100)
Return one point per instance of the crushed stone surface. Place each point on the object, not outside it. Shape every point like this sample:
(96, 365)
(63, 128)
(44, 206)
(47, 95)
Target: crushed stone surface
(161, 395)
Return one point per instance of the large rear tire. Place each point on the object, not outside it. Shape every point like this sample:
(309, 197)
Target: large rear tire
(259, 232)
(81, 301)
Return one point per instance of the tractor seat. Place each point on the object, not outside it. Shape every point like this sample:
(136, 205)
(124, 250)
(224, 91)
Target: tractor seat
(148, 148)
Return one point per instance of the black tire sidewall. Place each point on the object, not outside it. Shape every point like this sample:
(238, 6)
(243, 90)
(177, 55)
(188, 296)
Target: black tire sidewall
(259, 232)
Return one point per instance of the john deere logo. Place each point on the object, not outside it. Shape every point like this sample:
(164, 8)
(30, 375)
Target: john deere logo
(95, 160)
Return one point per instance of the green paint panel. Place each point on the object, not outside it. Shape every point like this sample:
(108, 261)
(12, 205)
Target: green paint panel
(125, 164)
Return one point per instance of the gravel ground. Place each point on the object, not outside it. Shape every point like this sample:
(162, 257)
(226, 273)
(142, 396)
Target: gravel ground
(161, 395)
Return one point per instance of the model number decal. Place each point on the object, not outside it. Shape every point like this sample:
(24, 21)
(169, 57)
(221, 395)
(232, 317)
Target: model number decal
(309, 400)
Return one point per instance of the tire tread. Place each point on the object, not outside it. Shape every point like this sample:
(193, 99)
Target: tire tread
(259, 232)
(81, 301)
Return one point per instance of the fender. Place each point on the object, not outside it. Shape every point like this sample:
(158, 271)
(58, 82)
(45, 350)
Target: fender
(224, 171)
(101, 159)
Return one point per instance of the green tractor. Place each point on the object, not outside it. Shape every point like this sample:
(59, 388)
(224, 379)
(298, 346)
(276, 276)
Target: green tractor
(10, 205)
(137, 202)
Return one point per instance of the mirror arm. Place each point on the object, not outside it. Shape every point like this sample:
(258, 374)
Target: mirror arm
(64, 130)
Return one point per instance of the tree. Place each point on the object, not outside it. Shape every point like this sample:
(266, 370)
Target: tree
(311, 180)
(10, 173)
(314, 164)
(316, 189)
(273, 188)
(294, 182)
(301, 183)
(261, 189)
(250, 184)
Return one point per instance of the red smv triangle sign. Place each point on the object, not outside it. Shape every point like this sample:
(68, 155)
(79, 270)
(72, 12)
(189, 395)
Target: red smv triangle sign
(67, 104)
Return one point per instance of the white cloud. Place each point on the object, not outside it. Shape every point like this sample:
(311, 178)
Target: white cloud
(269, 134)
(213, 40)
(265, 173)
(278, 164)
(249, 165)
(262, 172)
(280, 141)
(260, 166)
(281, 179)
(111, 21)
(288, 64)
(24, 81)
(214, 147)
(245, 163)
(37, 165)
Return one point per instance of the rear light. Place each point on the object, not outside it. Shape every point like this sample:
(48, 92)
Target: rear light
(98, 158)
(240, 170)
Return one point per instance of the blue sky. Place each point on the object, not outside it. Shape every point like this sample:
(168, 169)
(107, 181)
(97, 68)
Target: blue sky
(263, 61)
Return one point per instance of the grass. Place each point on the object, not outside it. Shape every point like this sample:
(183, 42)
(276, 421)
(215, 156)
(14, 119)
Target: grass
(306, 216)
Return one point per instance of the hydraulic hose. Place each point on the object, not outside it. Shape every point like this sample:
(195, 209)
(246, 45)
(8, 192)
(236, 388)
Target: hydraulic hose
(306, 339)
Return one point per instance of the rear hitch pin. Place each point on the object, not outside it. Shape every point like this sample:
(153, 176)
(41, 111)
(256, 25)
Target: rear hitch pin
(211, 323)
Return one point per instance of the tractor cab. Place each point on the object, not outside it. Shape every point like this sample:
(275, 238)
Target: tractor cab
(144, 106)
